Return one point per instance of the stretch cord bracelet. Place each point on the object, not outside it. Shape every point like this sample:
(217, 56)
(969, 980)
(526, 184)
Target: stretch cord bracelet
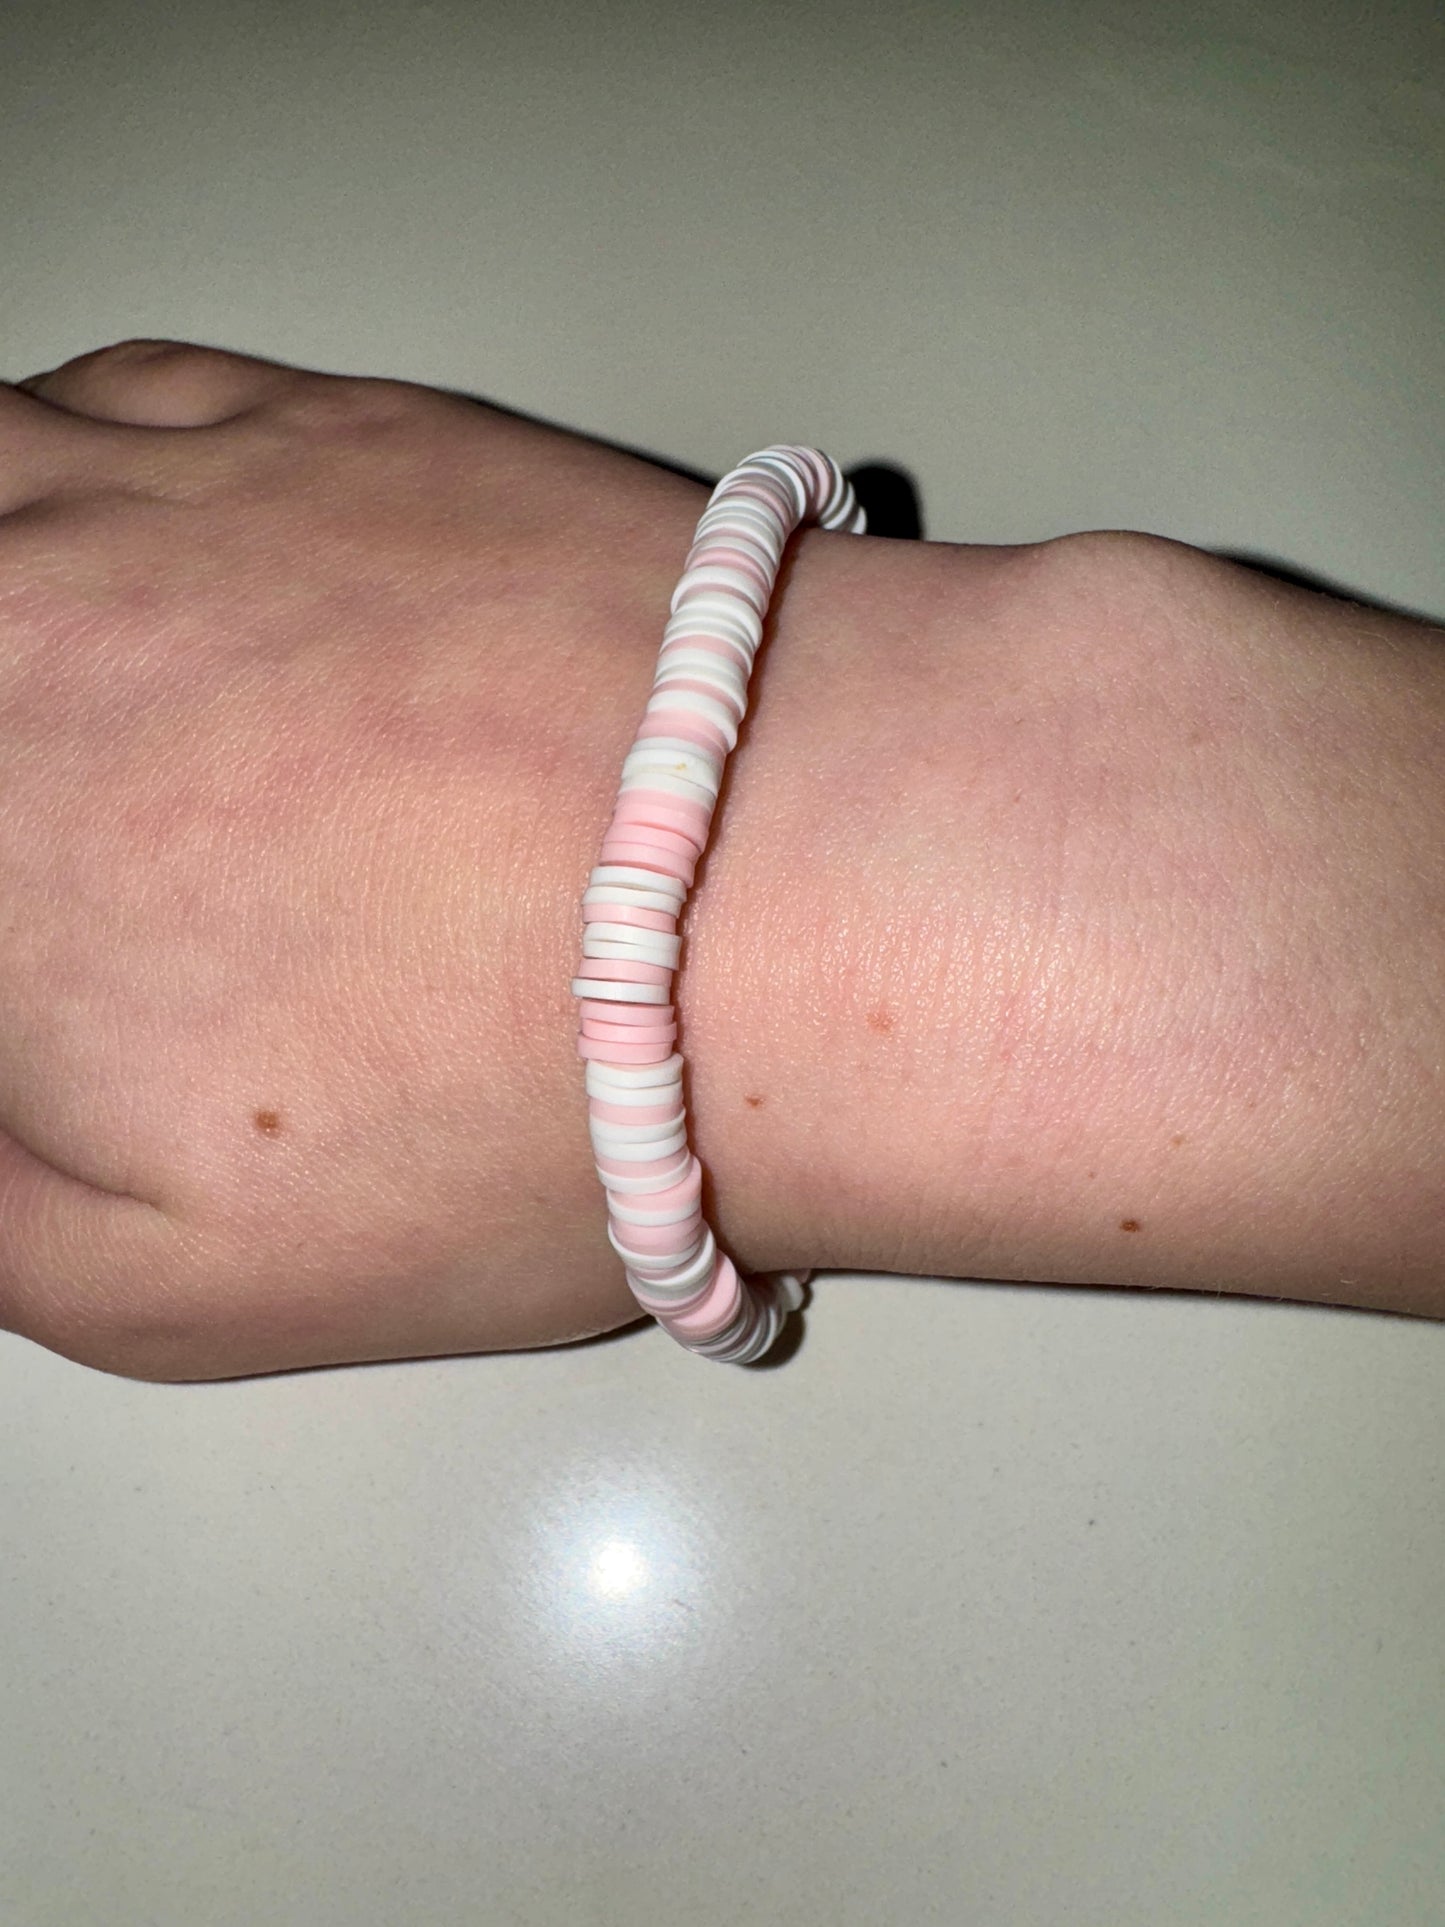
(635, 894)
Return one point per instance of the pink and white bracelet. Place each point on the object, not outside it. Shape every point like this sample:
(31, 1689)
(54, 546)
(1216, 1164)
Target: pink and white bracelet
(630, 908)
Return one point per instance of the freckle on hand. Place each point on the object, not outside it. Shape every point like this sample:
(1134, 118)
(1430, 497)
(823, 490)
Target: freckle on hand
(879, 1020)
(268, 1123)
(1128, 1224)
(753, 1102)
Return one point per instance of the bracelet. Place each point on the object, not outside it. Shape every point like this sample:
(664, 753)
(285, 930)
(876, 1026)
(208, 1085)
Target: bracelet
(635, 894)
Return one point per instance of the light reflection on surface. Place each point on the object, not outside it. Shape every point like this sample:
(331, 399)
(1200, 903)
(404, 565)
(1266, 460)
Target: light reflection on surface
(618, 1568)
(619, 1601)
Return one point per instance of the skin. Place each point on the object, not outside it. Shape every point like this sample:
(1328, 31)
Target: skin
(1073, 912)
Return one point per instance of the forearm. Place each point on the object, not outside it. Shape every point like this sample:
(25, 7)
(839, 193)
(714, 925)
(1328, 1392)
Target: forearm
(1072, 912)
(1047, 931)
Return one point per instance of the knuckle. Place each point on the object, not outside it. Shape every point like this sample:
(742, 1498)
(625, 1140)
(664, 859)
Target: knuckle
(343, 403)
(138, 348)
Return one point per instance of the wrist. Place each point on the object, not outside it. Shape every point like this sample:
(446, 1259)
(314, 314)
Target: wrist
(987, 970)
(789, 970)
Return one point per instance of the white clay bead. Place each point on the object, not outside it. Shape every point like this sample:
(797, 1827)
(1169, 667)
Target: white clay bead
(610, 990)
(633, 1077)
(623, 940)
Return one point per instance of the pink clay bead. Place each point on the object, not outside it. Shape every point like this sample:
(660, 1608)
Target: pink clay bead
(644, 1034)
(625, 913)
(704, 1317)
(664, 811)
(624, 970)
(701, 638)
(596, 1010)
(692, 729)
(628, 1029)
(772, 495)
(628, 1035)
(720, 555)
(665, 835)
(660, 1239)
(679, 722)
(687, 1190)
(634, 1113)
(609, 1051)
(616, 850)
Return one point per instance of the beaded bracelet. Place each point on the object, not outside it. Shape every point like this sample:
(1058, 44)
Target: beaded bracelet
(635, 894)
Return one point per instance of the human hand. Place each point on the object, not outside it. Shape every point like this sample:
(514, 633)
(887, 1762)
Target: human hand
(280, 813)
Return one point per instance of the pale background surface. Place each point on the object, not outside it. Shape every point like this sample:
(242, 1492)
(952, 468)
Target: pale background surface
(995, 1605)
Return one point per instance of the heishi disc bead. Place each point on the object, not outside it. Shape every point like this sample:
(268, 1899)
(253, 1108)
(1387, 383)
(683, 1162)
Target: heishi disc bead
(716, 662)
(662, 1239)
(663, 1300)
(758, 1324)
(630, 914)
(771, 495)
(644, 1261)
(605, 1144)
(694, 675)
(674, 756)
(606, 929)
(626, 1086)
(657, 800)
(608, 1137)
(648, 1181)
(640, 946)
(623, 970)
(673, 707)
(628, 1035)
(632, 852)
(716, 1309)
(787, 474)
(679, 1282)
(719, 619)
(633, 1113)
(721, 651)
(684, 1280)
(600, 990)
(657, 1095)
(732, 1337)
(613, 1052)
(653, 1141)
(702, 737)
(647, 772)
(734, 583)
(732, 544)
(654, 806)
(636, 877)
(599, 1077)
(733, 549)
(709, 1312)
(660, 1017)
(672, 1164)
(661, 1207)
(663, 851)
(712, 606)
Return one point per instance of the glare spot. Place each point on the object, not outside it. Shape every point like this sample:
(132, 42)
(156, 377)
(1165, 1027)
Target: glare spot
(618, 1569)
